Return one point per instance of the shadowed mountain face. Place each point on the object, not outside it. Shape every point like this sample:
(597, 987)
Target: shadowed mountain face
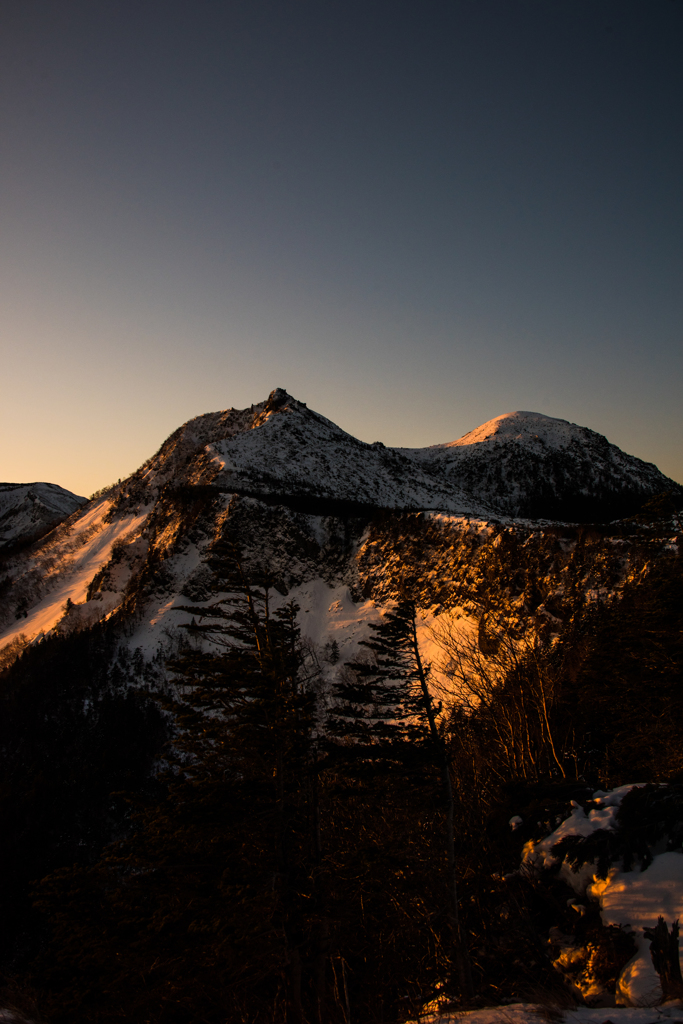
(28, 511)
(534, 466)
(521, 464)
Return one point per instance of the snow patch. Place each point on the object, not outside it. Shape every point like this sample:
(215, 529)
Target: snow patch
(528, 1013)
(328, 613)
(632, 899)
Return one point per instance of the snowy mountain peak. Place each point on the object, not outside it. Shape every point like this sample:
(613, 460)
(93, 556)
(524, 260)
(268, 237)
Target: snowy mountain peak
(536, 466)
(522, 426)
(518, 464)
(282, 449)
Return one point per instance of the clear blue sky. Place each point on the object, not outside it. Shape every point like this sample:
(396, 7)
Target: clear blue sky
(414, 216)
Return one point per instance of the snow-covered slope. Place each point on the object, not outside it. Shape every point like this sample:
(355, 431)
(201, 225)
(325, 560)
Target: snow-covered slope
(321, 509)
(520, 464)
(29, 510)
(528, 464)
(632, 899)
(280, 448)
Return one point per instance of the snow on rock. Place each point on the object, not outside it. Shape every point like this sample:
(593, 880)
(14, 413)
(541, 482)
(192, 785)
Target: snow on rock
(529, 428)
(29, 510)
(529, 1013)
(282, 448)
(638, 898)
(164, 616)
(522, 464)
(328, 613)
(632, 899)
(540, 855)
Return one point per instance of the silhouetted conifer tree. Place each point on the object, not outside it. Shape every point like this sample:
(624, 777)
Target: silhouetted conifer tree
(207, 907)
(255, 687)
(386, 713)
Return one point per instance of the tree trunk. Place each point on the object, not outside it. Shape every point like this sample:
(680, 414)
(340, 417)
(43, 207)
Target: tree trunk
(322, 930)
(664, 953)
(295, 986)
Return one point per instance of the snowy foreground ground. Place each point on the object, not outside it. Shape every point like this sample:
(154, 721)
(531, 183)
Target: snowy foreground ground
(631, 899)
(523, 1013)
(528, 1013)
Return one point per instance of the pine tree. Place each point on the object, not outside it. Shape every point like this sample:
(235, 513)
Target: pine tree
(386, 713)
(251, 698)
(214, 900)
(378, 704)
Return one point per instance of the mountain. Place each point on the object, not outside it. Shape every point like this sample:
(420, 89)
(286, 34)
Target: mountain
(280, 449)
(521, 464)
(553, 646)
(535, 466)
(28, 511)
(341, 524)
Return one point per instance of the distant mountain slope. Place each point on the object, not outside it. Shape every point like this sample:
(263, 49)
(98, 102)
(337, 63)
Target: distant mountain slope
(27, 511)
(531, 465)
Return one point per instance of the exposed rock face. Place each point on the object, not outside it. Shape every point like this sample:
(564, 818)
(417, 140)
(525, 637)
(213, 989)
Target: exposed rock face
(27, 511)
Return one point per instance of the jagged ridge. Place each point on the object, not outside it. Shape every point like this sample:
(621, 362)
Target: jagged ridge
(521, 464)
(281, 448)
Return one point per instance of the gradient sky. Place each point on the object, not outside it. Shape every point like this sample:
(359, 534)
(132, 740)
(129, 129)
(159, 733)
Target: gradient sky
(414, 216)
